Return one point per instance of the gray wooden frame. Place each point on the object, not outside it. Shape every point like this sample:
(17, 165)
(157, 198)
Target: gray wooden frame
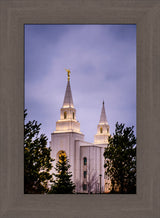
(13, 15)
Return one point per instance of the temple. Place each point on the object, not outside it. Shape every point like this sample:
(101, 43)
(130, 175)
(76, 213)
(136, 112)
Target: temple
(86, 159)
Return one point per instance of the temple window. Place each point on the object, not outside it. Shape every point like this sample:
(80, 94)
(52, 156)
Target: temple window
(85, 161)
(101, 130)
(85, 174)
(73, 115)
(65, 115)
(84, 187)
(60, 154)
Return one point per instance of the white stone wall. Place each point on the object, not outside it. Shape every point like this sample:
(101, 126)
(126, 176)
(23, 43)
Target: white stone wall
(76, 149)
(95, 162)
(65, 142)
(69, 112)
(67, 125)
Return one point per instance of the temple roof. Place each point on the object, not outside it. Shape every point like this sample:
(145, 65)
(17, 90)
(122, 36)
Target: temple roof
(103, 118)
(68, 101)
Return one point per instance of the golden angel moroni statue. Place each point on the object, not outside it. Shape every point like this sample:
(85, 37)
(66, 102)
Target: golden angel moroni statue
(69, 72)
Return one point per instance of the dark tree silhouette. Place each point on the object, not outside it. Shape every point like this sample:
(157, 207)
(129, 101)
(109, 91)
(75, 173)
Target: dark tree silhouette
(62, 183)
(37, 159)
(120, 159)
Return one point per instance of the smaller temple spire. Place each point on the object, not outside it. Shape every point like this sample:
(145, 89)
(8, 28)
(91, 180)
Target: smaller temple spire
(102, 129)
(103, 118)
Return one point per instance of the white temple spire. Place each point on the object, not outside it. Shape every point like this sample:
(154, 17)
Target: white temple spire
(103, 118)
(102, 129)
(68, 101)
(68, 121)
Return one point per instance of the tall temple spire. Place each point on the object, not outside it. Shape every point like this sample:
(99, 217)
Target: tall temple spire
(68, 101)
(68, 121)
(103, 118)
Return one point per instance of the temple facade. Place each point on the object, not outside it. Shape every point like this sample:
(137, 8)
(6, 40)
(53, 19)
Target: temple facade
(86, 159)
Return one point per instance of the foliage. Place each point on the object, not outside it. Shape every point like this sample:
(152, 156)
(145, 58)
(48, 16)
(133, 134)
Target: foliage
(62, 184)
(92, 183)
(120, 159)
(37, 159)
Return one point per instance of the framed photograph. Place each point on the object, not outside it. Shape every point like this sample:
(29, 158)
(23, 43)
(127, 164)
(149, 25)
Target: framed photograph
(14, 16)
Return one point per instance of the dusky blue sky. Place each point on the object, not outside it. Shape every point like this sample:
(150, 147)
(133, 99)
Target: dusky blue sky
(102, 60)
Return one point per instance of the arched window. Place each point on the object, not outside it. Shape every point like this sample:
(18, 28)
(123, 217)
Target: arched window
(85, 161)
(101, 130)
(73, 115)
(61, 153)
(65, 115)
(84, 187)
(85, 174)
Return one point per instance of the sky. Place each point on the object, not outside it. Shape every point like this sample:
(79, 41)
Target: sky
(102, 61)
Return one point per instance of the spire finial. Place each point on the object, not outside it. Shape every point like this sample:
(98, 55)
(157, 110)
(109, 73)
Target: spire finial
(69, 72)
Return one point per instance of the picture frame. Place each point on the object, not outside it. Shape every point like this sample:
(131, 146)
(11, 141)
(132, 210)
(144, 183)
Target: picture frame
(14, 14)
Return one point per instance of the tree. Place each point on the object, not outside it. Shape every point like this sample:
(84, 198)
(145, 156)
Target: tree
(62, 184)
(92, 183)
(37, 159)
(78, 186)
(120, 159)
